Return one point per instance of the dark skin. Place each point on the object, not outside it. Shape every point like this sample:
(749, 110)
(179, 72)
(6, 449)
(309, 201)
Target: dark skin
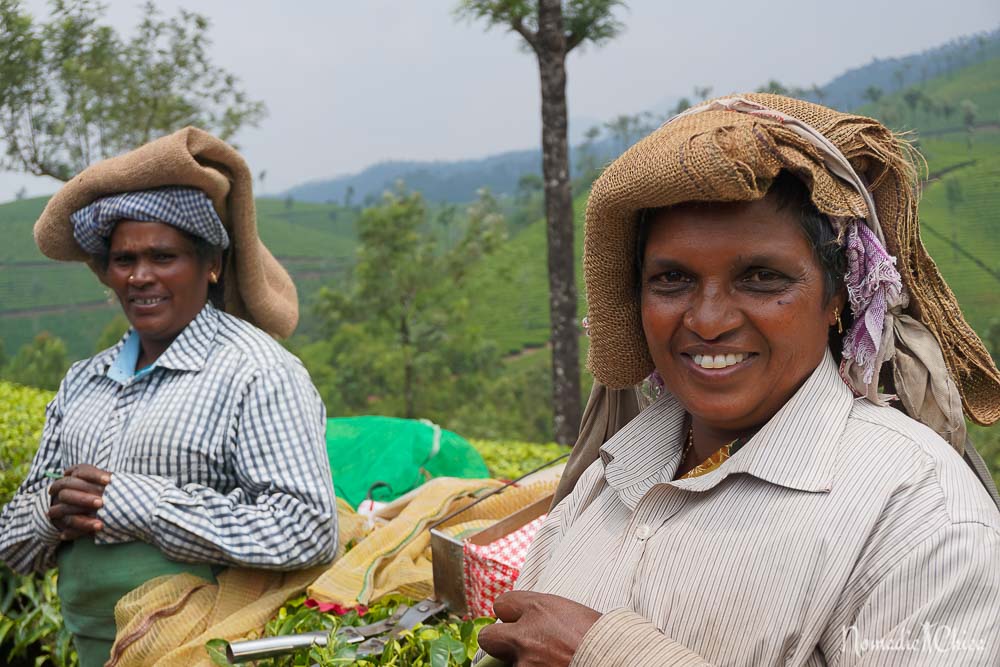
(717, 279)
(75, 499)
(735, 279)
(162, 284)
(160, 281)
(538, 630)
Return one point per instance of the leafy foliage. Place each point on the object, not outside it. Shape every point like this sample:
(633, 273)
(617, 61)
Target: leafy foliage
(397, 340)
(22, 415)
(450, 642)
(31, 627)
(41, 363)
(583, 20)
(73, 91)
(511, 459)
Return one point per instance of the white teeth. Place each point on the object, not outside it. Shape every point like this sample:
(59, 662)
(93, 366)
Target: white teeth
(719, 360)
(147, 302)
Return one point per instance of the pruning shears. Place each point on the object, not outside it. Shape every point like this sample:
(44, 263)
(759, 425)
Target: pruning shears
(371, 639)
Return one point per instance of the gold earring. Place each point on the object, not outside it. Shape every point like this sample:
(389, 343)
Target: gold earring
(212, 278)
(840, 325)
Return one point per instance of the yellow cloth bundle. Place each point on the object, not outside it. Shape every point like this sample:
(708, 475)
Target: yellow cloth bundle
(167, 621)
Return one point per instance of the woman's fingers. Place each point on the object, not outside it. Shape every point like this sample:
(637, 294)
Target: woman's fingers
(500, 641)
(84, 523)
(89, 473)
(73, 521)
(76, 491)
(83, 499)
(60, 511)
(510, 606)
(78, 525)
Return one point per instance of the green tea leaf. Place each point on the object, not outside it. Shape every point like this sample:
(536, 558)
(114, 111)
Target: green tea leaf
(216, 649)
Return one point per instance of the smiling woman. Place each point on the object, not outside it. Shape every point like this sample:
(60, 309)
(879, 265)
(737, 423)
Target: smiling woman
(796, 494)
(197, 441)
(160, 279)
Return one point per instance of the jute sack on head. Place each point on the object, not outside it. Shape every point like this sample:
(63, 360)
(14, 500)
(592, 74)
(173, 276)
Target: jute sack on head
(723, 155)
(257, 287)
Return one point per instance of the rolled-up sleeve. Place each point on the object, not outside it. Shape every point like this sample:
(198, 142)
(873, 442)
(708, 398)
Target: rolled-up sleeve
(624, 638)
(281, 515)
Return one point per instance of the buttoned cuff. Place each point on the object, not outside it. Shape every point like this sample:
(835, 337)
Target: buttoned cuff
(129, 503)
(624, 638)
(47, 533)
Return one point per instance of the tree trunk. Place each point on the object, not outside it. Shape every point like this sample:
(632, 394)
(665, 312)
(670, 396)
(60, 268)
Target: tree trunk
(551, 51)
(409, 407)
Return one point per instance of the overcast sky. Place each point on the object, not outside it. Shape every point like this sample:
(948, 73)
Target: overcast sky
(352, 82)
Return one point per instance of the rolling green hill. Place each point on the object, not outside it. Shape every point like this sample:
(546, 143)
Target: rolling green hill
(315, 242)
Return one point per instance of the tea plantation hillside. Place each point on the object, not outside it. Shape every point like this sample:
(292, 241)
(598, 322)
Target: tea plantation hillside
(315, 242)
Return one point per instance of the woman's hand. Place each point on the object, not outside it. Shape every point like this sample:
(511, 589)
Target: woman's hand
(537, 630)
(76, 497)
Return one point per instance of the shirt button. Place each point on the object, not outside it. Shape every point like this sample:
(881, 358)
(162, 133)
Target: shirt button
(643, 532)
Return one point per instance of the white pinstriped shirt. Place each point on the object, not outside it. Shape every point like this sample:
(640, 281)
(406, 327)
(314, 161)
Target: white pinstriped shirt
(217, 454)
(841, 534)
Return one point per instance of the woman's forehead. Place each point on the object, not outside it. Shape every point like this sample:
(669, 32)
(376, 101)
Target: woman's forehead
(138, 234)
(738, 226)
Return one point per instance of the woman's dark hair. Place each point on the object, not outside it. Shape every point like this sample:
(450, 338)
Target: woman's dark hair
(788, 192)
(203, 250)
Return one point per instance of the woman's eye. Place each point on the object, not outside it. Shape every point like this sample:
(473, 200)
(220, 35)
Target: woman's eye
(121, 261)
(762, 276)
(669, 280)
(671, 277)
(162, 257)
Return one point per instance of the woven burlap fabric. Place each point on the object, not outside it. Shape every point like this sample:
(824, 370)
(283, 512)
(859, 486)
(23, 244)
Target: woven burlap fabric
(722, 155)
(257, 287)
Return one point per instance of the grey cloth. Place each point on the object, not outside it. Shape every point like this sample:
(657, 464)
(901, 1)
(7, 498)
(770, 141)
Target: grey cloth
(188, 209)
(217, 454)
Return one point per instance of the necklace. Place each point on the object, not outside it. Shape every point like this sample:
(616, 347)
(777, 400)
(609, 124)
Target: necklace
(712, 462)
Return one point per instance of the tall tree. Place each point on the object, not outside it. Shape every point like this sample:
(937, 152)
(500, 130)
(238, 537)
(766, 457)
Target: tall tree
(551, 29)
(73, 91)
(397, 339)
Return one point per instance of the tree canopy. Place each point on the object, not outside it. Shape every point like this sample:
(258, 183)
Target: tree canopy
(74, 91)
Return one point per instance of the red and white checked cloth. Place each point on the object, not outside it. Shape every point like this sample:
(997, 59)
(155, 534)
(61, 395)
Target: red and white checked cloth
(490, 570)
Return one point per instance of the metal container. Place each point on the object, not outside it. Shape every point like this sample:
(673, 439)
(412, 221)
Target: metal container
(448, 556)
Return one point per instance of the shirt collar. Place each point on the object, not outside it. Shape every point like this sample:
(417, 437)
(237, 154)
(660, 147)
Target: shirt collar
(122, 369)
(795, 449)
(191, 348)
(188, 352)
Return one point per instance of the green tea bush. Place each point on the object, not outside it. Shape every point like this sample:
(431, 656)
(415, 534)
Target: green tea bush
(447, 642)
(510, 459)
(22, 415)
(31, 629)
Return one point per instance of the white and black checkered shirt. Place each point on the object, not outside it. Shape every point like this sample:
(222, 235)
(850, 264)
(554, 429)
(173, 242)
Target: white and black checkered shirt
(217, 455)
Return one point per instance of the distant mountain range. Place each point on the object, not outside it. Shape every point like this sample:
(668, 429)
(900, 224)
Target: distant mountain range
(458, 181)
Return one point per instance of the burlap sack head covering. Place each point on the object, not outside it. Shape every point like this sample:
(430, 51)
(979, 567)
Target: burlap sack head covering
(863, 178)
(257, 287)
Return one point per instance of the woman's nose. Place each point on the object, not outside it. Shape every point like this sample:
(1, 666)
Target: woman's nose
(712, 314)
(141, 274)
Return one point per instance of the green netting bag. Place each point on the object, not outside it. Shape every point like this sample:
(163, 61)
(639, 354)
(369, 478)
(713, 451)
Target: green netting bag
(400, 453)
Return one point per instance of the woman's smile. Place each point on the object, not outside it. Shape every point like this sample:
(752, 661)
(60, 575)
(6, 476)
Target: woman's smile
(719, 360)
(733, 308)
